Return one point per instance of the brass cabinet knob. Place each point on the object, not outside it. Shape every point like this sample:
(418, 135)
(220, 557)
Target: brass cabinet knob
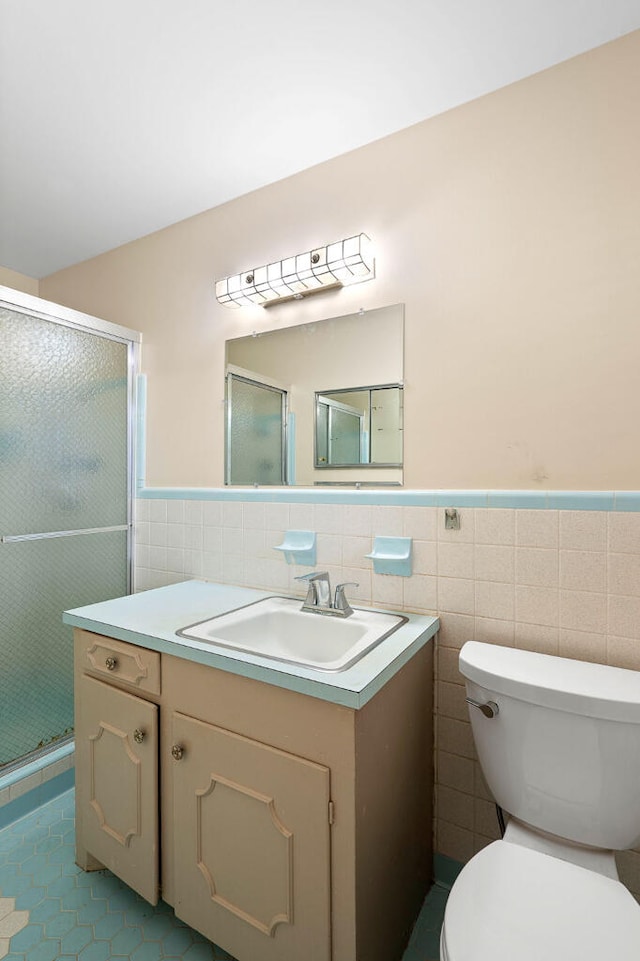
(112, 663)
(176, 752)
(138, 736)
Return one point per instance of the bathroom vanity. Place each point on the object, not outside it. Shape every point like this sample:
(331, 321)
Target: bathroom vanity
(283, 812)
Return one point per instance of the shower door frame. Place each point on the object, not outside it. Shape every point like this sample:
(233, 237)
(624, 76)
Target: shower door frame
(46, 310)
(234, 373)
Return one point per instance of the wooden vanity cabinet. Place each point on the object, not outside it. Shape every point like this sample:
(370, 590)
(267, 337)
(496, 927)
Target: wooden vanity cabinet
(290, 827)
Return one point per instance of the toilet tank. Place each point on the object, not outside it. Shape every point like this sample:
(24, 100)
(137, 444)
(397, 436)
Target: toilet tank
(563, 752)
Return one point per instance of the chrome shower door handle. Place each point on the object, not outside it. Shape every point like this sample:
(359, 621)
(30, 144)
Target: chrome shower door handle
(489, 708)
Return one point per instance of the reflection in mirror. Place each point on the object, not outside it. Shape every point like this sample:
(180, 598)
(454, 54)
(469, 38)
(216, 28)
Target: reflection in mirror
(256, 418)
(359, 426)
(332, 359)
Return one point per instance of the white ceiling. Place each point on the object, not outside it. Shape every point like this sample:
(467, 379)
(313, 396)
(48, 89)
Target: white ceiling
(119, 117)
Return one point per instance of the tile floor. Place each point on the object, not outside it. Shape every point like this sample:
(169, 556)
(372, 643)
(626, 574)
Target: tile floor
(50, 910)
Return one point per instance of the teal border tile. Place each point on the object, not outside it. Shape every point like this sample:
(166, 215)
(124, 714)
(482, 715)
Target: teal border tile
(417, 498)
(627, 501)
(581, 500)
(445, 869)
(304, 495)
(36, 797)
(529, 500)
(39, 764)
(456, 498)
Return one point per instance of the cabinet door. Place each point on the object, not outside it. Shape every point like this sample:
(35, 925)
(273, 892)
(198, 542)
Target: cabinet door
(251, 845)
(117, 782)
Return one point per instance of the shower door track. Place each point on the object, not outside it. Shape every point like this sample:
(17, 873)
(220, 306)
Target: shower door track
(15, 538)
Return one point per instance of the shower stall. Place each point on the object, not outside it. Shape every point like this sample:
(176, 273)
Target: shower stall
(66, 468)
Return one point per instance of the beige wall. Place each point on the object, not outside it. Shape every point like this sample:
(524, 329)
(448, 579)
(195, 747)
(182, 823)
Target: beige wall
(11, 278)
(509, 229)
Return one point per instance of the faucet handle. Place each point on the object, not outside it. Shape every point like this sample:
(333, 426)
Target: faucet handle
(340, 602)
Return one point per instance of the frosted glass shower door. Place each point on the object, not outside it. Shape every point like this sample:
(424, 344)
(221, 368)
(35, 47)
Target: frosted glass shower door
(345, 432)
(64, 510)
(256, 418)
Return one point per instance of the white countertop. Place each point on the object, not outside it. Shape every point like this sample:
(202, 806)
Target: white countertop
(151, 618)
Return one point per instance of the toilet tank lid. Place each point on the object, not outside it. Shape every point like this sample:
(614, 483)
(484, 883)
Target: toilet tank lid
(578, 687)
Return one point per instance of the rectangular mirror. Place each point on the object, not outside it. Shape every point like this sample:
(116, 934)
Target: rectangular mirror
(319, 403)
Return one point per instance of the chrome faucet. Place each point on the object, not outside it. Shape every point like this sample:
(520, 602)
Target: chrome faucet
(318, 592)
(318, 599)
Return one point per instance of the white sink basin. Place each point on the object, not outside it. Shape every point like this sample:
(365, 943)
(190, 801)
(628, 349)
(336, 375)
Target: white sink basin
(276, 628)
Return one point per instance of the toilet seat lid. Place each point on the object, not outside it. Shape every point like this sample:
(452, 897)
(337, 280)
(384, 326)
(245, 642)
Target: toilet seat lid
(512, 902)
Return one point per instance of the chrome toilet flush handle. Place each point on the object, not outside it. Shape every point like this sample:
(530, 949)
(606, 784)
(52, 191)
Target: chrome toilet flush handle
(489, 708)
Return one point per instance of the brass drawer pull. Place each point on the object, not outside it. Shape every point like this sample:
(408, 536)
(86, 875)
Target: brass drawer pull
(138, 735)
(111, 663)
(176, 752)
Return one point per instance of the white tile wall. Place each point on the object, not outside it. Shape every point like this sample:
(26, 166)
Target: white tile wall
(558, 582)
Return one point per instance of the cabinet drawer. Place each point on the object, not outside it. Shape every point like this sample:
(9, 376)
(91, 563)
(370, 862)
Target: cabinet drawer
(136, 667)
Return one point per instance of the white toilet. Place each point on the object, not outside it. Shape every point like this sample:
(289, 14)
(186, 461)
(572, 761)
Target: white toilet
(559, 745)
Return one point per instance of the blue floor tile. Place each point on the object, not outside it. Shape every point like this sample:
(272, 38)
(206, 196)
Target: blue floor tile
(30, 898)
(47, 909)
(28, 938)
(126, 940)
(108, 926)
(45, 951)
(59, 925)
(198, 952)
(77, 939)
(148, 951)
(96, 951)
(177, 941)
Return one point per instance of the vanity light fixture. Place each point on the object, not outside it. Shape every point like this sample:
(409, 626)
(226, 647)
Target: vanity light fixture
(348, 261)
